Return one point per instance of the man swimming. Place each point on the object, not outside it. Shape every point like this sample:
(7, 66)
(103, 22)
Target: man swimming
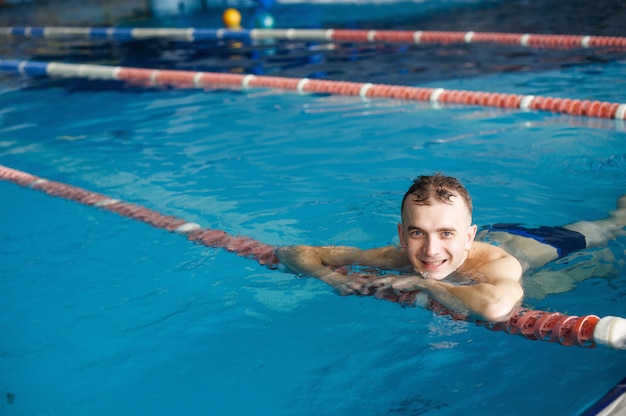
(438, 247)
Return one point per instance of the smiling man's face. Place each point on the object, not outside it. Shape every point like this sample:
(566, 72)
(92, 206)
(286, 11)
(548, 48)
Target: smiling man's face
(437, 237)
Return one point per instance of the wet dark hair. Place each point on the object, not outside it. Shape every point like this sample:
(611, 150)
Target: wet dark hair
(437, 187)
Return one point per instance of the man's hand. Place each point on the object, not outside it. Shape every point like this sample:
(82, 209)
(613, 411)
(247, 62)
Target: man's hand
(311, 261)
(381, 286)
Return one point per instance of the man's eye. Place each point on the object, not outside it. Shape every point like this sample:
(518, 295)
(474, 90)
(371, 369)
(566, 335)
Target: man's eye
(447, 234)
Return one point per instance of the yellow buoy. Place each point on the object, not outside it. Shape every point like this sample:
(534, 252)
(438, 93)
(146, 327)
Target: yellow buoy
(232, 18)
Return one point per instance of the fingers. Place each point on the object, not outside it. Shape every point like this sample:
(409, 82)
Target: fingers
(361, 286)
(379, 288)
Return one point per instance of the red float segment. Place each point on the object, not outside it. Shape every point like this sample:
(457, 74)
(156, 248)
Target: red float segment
(549, 326)
(209, 238)
(606, 41)
(69, 192)
(487, 99)
(562, 331)
(575, 107)
(525, 326)
(274, 82)
(208, 79)
(554, 327)
(554, 41)
(136, 75)
(178, 78)
(146, 215)
(393, 36)
(543, 326)
(494, 37)
(442, 37)
(344, 35)
(399, 92)
(332, 87)
(18, 177)
(582, 331)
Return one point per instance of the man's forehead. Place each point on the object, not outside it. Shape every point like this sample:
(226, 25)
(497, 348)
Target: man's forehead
(454, 209)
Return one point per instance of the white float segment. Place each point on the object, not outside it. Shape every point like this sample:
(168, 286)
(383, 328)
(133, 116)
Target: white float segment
(106, 201)
(153, 76)
(584, 42)
(148, 33)
(53, 32)
(187, 228)
(364, 89)
(20, 67)
(524, 39)
(417, 36)
(196, 79)
(301, 85)
(290, 34)
(526, 102)
(246, 80)
(611, 332)
(259, 34)
(37, 181)
(89, 71)
(434, 96)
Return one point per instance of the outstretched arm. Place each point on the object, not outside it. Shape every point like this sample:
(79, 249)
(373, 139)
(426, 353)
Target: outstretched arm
(317, 262)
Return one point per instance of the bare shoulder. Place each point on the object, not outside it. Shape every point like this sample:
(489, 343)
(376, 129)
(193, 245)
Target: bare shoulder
(487, 252)
(493, 262)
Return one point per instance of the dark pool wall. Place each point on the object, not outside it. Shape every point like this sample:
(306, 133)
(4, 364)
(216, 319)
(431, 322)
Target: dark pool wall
(71, 12)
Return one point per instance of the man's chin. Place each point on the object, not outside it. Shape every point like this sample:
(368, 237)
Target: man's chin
(432, 274)
(436, 276)
(429, 275)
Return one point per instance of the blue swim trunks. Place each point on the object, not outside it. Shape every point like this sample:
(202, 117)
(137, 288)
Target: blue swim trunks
(565, 241)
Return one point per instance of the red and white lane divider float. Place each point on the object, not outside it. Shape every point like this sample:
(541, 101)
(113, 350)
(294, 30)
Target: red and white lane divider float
(532, 40)
(194, 79)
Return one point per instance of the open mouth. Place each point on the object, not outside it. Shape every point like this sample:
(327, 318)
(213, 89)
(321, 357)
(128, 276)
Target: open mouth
(432, 265)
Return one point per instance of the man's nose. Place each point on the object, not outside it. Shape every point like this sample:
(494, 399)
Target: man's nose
(431, 246)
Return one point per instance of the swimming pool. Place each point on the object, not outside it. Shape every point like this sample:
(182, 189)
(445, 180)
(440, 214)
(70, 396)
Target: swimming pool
(103, 314)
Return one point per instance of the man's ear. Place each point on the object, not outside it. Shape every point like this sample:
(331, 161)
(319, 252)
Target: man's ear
(471, 234)
(401, 234)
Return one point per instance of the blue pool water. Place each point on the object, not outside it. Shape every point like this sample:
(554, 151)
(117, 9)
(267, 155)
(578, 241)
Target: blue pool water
(104, 315)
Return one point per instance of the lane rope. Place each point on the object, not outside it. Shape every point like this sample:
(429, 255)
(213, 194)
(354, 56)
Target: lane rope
(531, 40)
(193, 79)
(243, 246)
(584, 331)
